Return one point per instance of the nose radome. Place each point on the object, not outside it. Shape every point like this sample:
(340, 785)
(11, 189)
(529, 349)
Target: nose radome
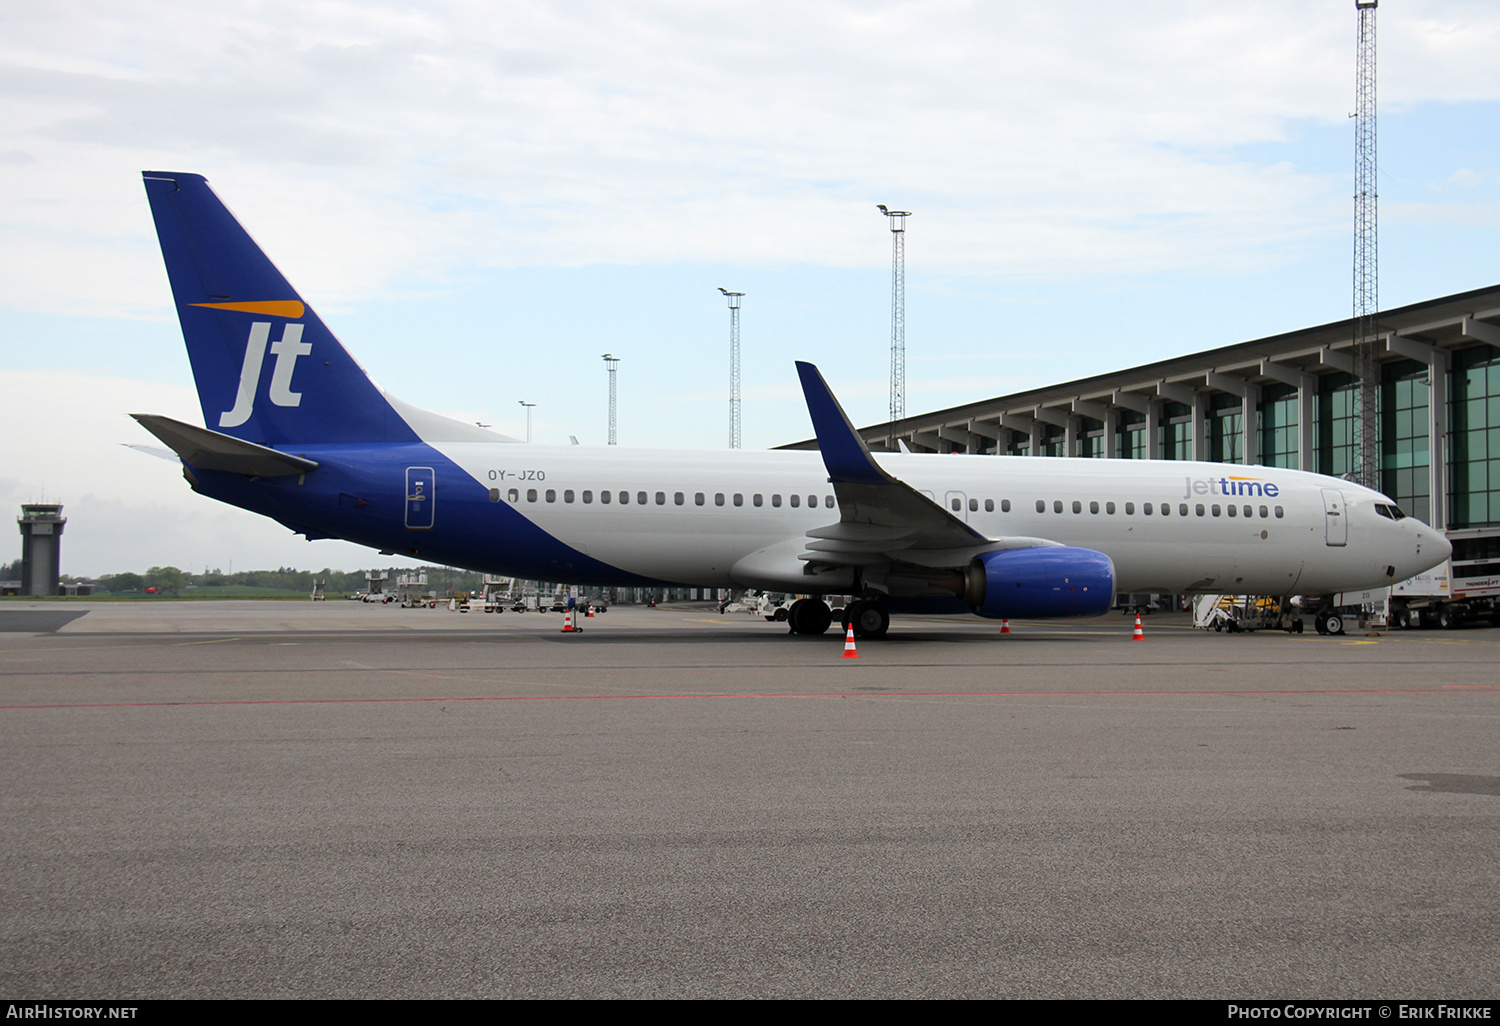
(1441, 547)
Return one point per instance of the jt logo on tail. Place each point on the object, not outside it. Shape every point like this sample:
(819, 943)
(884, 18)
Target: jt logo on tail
(286, 350)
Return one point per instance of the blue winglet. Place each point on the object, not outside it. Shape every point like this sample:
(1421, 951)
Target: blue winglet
(845, 454)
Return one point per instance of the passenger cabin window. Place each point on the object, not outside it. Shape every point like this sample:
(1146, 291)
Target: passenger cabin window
(698, 499)
(567, 495)
(776, 499)
(1182, 509)
(1264, 512)
(812, 502)
(1057, 505)
(1041, 507)
(1166, 509)
(1146, 509)
(1279, 512)
(974, 505)
(640, 497)
(1109, 508)
(1130, 509)
(1233, 511)
(661, 498)
(678, 498)
(957, 505)
(1004, 505)
(989, 505)
(531, 495)
(756, 500)
(513, 495)
(588, 496)
(828, 501)
(1198, 509)
(718, 498)
(1077, 506)
(551, 495)
(1216, 509)
(1093, 507)
(795, 499)
(739, 499)
(604, 497)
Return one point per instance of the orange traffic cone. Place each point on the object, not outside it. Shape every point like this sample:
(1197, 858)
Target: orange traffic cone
(1004, 626)
(1138, 636)
(849, 650)
(568, 627)
(590, 610)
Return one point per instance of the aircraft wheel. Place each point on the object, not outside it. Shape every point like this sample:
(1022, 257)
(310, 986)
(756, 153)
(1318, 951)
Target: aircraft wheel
(869, 619)
(1335, 623)
(810, 616)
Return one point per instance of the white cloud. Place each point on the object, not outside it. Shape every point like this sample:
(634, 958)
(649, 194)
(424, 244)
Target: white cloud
(377, 145)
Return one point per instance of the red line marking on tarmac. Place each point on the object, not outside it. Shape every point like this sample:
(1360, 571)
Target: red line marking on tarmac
(637, 698)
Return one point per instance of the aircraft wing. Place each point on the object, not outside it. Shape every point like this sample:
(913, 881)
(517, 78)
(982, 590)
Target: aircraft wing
(882, 519)
(211, 450)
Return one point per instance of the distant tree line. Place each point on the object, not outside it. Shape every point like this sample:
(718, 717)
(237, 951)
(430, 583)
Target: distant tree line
(170, 579)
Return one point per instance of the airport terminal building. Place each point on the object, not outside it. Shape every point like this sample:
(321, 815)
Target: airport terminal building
(1284, 401)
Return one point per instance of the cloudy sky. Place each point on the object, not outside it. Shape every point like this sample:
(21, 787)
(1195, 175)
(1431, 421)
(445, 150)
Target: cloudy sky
(482, 198)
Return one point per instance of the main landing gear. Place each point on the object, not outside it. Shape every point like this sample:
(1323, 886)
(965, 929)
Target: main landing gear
(812, 616)
(809, 616)
(870, 620)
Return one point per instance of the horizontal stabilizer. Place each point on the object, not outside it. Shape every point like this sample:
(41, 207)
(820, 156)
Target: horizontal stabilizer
(209, 450)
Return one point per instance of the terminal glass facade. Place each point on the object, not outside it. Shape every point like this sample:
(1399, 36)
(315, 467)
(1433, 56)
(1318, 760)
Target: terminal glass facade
(1474, 437)
(1177, 432)
(1130, 443)
(1403, 437)
(1278, 426)
(1226, 436)
(1336, 426)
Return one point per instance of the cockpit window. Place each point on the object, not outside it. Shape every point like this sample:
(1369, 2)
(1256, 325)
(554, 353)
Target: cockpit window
(1392, 512)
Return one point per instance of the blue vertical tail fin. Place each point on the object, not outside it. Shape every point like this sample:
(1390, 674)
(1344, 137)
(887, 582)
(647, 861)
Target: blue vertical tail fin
(267, 369)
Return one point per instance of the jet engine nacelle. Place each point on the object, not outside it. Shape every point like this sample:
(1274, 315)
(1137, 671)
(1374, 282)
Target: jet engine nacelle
(1039, 583)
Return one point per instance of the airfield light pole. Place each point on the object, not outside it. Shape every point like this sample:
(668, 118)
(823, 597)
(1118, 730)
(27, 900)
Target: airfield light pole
(528, 406)
(897, 222)
(612, 362)
(1366, 462)
(734, 365)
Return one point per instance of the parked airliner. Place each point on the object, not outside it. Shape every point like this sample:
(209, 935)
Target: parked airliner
(298, 432)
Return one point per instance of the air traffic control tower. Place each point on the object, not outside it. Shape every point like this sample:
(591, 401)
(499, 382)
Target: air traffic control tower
(41, 547)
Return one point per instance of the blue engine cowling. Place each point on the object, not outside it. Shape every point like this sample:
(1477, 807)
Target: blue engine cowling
(1040, 583)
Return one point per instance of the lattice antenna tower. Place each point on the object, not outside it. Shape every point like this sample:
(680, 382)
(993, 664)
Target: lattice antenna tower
(612, 362)
(734, 365)
(897, 222)
(1366, 255)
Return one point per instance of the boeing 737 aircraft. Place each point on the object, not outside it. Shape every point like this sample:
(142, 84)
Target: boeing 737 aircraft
(298, 432)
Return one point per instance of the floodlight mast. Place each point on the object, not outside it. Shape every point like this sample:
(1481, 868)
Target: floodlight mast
(1366, 463)
(896, 219)
(611, 362)
(734, 365)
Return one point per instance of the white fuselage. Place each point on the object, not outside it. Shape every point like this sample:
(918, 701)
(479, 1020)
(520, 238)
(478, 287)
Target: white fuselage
(727, 519)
